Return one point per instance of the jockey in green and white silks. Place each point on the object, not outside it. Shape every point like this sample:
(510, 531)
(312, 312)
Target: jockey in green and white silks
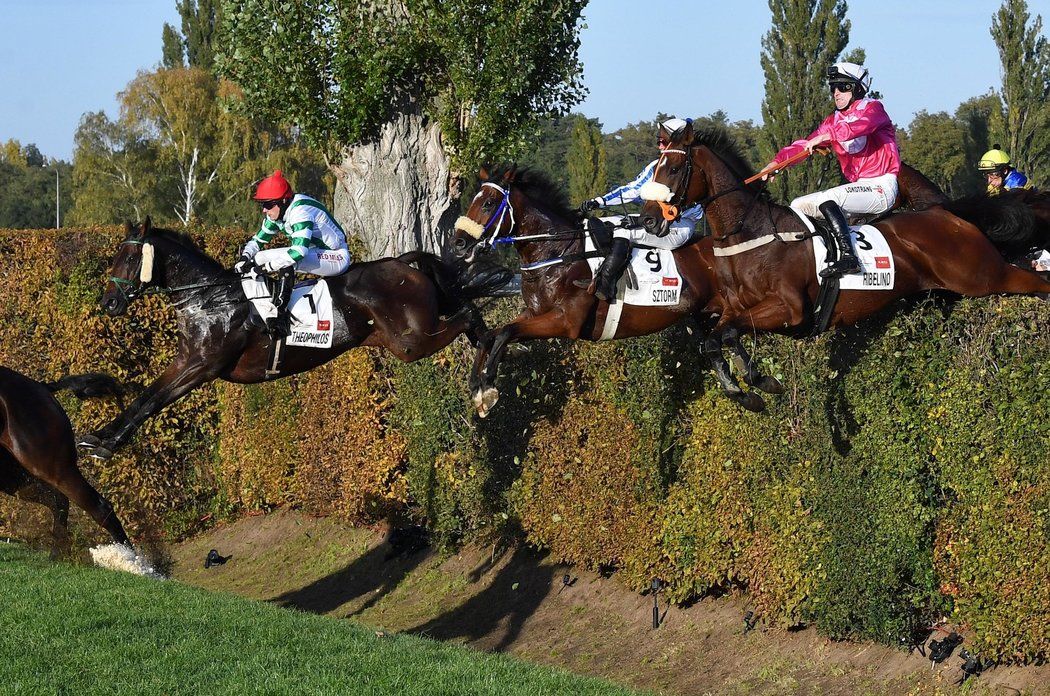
(318, 244)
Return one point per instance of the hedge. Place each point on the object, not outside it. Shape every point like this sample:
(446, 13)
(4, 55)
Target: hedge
(903, 477)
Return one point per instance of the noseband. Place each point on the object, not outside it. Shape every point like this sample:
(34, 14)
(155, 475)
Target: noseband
(123, 284)
(670, 210)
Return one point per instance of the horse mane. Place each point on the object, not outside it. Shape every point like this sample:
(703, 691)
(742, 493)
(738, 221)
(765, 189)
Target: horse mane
(183, 239)
(538, 186)
(1010, 223)
(721, 142)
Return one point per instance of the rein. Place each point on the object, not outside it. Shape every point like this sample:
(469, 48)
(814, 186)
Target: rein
(144, 288)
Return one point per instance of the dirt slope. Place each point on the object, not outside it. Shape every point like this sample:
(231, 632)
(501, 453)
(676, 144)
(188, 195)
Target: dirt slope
(515, 600)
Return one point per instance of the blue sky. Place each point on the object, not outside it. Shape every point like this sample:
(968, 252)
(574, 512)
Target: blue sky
(62, 58)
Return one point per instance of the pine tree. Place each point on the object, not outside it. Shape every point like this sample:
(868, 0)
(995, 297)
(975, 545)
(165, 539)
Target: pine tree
(806, 37)
(586, 161)
(1025, 57)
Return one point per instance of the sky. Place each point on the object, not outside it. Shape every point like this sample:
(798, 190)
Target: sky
(63, 58)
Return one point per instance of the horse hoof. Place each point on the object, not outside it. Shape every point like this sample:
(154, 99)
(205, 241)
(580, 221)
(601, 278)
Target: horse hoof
(749, 400)
(770, 385)
(485, 400)
(89, 441)
(100, 453)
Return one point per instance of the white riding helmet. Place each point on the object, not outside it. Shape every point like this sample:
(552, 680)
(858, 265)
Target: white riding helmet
(852, 72)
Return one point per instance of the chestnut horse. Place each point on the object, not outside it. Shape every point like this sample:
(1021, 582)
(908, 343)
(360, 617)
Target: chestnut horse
(769, 283)
(525, 208)
(38, 455)
(387, 303)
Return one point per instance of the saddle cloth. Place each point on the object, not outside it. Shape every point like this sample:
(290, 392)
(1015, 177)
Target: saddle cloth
(873, 252)
(651, 279)
(311, 310)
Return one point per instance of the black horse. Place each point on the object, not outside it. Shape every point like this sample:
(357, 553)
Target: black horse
(38, 456)
(388, 303)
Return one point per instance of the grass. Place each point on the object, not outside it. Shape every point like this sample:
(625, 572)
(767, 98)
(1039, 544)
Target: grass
(76, 629)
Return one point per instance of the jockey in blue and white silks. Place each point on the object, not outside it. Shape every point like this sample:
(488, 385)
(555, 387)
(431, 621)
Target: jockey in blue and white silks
(623, 237)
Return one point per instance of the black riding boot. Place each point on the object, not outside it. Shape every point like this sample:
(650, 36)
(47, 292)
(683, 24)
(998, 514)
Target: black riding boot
(612, 268)
(847, 261)
(281, 325)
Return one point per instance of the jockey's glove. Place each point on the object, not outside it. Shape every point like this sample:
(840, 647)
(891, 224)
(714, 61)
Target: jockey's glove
(244, 265)
(591, 204)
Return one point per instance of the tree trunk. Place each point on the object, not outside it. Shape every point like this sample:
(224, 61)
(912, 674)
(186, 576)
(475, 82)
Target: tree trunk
(396, 193)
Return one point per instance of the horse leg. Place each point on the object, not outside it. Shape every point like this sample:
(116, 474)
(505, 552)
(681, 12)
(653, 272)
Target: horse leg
(76, 488)
(712, 350)
(41, 493)
(744, 363)
(523, 328)
(172, 384)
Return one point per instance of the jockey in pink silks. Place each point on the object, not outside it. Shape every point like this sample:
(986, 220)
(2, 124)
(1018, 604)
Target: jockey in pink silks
(865, 141)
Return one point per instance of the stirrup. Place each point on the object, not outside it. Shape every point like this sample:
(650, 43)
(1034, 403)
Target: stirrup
(842, 267)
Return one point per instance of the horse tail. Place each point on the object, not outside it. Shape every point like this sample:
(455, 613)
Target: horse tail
(458, 286)
(89, 386)
(1007, 221)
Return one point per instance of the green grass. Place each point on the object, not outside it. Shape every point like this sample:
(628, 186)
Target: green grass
(75, 629)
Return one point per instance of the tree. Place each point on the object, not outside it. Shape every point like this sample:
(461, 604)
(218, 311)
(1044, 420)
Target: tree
(982, 120)
(546, 148)
(935, 144)
(806, 37)
(404, 96)
(177, 153)
(27, 187)
(194, 46)
(1025, 58)
(586, 161)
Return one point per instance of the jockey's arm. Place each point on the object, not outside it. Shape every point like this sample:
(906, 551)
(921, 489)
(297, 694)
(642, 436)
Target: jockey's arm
(262, 238)
(629, 193)
(799, 145)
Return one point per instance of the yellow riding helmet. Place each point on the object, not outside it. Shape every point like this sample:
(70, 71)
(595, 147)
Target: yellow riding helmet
(993, 160)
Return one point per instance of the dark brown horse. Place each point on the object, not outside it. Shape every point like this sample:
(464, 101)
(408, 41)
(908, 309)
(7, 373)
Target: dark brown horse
(770, 284)
(387, 303)
(38, 456)
(526, 208)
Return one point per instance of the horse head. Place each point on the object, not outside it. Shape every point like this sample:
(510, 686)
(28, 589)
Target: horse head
(131, 271)
(489, 215)
(673, 185)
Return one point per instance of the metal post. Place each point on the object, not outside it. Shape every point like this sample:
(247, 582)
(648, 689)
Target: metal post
(57, 221)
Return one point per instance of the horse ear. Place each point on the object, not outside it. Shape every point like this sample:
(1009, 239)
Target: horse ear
(511, 174)
(147, 225)
(483, 174)
(129, 229)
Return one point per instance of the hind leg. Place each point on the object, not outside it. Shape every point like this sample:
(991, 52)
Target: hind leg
(712, 349)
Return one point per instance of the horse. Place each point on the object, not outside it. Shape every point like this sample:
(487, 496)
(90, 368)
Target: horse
(769, 283)
(526, 208)
(38, 455)
(386, 303)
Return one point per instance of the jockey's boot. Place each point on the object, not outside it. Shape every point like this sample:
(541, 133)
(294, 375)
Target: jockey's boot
(847, 261)
(611, 270)
(281, 325)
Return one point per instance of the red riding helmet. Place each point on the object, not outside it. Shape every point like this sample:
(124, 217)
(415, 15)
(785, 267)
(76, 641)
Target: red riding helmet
(274, 188)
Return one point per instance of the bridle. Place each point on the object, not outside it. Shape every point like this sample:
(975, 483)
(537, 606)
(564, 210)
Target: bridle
(144, 274)
(671, 211)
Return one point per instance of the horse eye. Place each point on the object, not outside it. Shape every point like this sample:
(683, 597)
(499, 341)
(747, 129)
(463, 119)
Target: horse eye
(487, 205)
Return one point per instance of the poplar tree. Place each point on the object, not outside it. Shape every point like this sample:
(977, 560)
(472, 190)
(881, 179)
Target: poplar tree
(1025, 66)
(805, 38)
(194, 46)
(586, 161)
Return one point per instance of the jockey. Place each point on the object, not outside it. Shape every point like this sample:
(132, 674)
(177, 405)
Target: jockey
(318, 243)
(995, 165)
(604, 284)
(865, 142)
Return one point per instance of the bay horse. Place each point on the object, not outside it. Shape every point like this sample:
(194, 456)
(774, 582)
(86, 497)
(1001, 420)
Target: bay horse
(769, 284)
(38, 454)
(526, 208)
(387, 303)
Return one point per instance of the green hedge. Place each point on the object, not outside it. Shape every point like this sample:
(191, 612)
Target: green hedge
(903, 476)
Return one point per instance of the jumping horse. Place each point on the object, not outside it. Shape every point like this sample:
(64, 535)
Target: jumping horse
(768, 282)
(387, 303)
(525, 208)
(38, 455)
